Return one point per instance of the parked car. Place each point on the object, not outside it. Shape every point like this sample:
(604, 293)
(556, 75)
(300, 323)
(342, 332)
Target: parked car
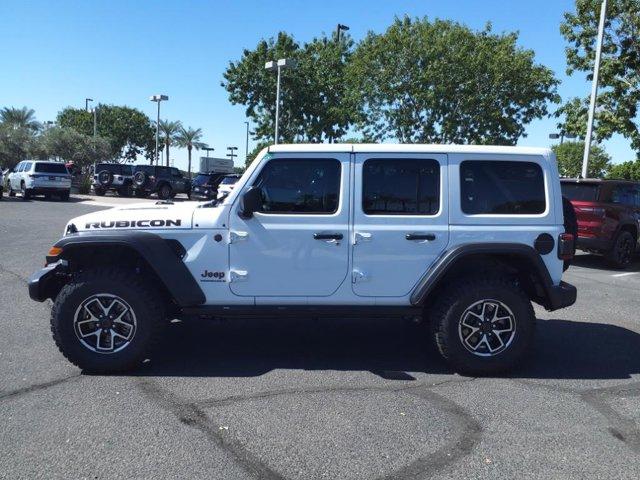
(37, 177)
(608, 213)
(226, 184)
(205, 185)
(113, 176)
(1, 183)
(166, 182)
(464, 237)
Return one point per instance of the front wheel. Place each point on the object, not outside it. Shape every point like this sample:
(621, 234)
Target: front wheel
(621, 254)
(164, 192)
(106, 320)
(483, 326)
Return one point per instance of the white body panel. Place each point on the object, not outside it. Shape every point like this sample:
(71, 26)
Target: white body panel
(273, 259)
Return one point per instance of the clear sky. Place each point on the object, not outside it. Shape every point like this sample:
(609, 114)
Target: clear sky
(54, 54)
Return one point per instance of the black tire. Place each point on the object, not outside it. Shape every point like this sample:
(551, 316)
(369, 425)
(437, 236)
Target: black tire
(47, 196)
(621, 254)
(448, 331)
(128, 286)
(26, 193)
(164, 192)
(64, 196)
(105, 178)
(570, 226)
(10, 190)
(140, 193)
(99, 191)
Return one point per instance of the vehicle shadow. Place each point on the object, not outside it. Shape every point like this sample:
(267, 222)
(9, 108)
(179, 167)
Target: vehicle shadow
(598, 262)
(392, 349)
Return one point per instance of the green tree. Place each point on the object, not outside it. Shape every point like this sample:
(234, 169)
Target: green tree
(314, 104)
(189, 138)
(168, 131)
(439, 81)
(626, 170)
(72, 146)
(19, 118)
(254, 153)
(619, 80)
(16, 144)
(128, 130)
(569, 155)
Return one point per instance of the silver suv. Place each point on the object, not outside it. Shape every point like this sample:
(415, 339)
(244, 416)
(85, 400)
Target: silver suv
(113, 176)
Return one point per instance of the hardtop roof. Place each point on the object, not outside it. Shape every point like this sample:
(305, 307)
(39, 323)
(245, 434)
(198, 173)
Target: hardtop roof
(405, 148)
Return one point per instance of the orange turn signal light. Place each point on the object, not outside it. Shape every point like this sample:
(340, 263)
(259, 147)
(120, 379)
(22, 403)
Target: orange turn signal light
(54, 251)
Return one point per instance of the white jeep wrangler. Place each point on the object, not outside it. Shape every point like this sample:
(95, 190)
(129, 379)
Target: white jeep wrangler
(465, 237)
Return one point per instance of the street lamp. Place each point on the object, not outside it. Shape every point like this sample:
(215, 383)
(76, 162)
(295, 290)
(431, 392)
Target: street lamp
(562, 135)
(158, 98)
(232, 153)
(208, 149)
(246, 144)
(95, 121)
(86, 103)
(340, 28)
(279, 65)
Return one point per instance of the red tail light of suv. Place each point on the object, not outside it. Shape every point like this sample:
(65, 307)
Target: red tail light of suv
(608, 214)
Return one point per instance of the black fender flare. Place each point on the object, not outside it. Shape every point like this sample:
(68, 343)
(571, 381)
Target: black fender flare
(156, 251)
(554, 296)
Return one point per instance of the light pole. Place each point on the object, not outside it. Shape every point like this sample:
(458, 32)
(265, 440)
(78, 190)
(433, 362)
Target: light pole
(246, 144)
(340, 28)
(95, 121)
(279, 65)
(562, 135)
(86, 103)
(232, 153)
(594, 90)
(208, 149)
(158, 99)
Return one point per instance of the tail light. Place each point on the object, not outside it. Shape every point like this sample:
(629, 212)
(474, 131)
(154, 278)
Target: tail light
(595, 211)
(566, 246)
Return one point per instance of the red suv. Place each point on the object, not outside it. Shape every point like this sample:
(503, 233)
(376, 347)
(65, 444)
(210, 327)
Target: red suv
(608, 213)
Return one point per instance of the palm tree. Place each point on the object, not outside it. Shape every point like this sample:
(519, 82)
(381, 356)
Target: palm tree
(189, 138)
(19, 118)
(169, 130)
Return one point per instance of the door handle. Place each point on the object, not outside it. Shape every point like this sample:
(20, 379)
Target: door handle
(328, 236)
(420, 236)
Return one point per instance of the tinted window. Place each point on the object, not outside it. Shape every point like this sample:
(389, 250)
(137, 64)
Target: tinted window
(148, 169)
(626, 195)
(585, 192)
(300, 186)
(499, 187)
(51, 168)
(229, 180)
(163, 172)
(201, 179)
(19, 167)
(401, 187)
(26, 167)
(175, 172)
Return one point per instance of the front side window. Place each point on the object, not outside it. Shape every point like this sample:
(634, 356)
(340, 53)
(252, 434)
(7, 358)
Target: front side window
(401, 187)
(148, 169)
(501, 187)
(175, 172)
(26, 167)
(626, 195)
(296, 186)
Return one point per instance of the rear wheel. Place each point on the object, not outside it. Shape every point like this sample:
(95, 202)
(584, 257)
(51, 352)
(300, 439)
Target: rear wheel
(64, 196)
(106, 320)
(164, 192)
(621, 254)
(483, 326)
(125, 191)
(10, 190)
(99, 191)
(26, 193)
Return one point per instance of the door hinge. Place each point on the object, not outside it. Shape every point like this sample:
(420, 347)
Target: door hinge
(360, 237)
(237, 236)
(238, 276)
(357, 276)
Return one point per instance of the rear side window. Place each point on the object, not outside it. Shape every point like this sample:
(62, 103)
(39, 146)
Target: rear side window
(148, 169)
(298, 186)
(501, 187)
(401, 187)
(580, 192)
(626, 195)
(51, 168)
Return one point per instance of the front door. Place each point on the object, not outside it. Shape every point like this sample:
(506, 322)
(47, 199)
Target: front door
(297, 245)
(400, 221)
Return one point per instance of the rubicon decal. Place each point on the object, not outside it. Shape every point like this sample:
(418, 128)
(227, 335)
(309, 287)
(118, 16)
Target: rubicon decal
(134, 224)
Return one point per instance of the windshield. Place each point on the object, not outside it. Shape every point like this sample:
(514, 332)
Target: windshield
(201, 180)
(51, 168)
(581, 192)
(229, 180)
(148, 169)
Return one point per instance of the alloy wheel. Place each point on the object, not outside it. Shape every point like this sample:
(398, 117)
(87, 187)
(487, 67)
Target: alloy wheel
(487, 327)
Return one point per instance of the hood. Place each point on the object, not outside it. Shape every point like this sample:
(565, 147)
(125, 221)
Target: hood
(139, 216)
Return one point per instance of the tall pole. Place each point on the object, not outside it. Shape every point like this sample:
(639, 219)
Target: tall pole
(157, 131)
(95, 121)
(594, 90)
(246, 144)
(277, 105)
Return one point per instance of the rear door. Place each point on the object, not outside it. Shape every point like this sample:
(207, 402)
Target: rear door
(400, 221)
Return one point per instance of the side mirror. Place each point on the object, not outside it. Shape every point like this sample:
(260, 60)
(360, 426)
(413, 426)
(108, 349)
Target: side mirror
(250, 202)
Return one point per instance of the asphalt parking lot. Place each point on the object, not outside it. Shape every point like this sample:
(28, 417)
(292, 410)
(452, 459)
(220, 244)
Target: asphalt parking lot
(305, 399)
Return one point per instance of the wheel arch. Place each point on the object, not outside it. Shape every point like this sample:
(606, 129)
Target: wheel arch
(144, 252)
(520, 262)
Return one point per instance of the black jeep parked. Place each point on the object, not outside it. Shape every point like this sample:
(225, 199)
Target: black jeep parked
(166, 182)
(205, 185)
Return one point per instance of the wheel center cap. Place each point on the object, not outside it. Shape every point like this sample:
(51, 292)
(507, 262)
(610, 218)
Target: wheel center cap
(106, 323)
(486, 327)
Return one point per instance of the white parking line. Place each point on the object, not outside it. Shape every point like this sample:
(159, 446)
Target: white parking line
(624, 274)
